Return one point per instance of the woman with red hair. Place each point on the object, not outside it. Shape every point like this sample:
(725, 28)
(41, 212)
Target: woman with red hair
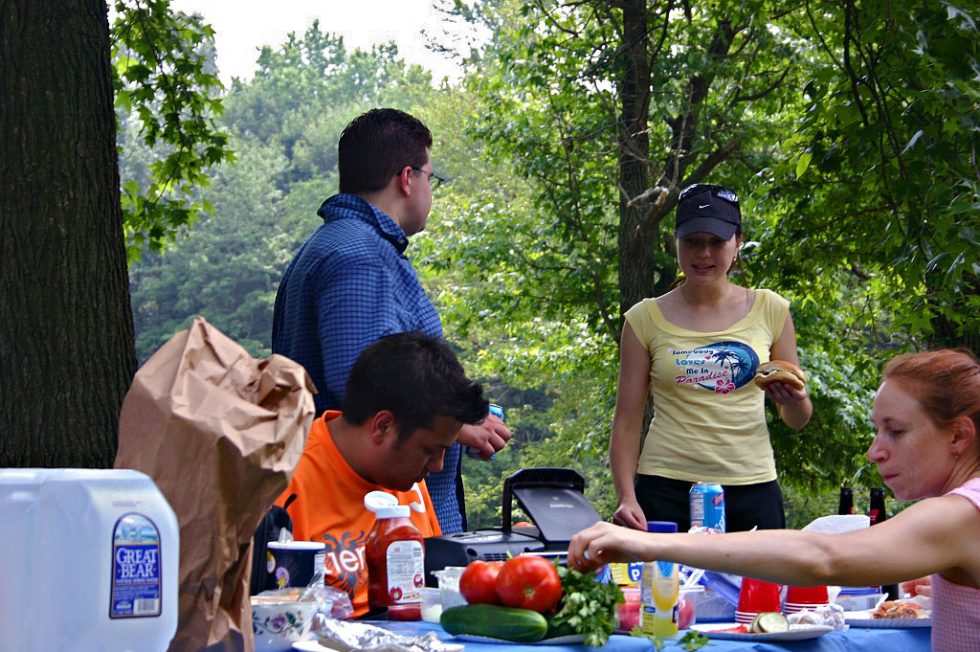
(927, 446)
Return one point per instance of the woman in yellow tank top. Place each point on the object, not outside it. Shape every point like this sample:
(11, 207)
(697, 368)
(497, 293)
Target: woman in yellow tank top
(695, 350)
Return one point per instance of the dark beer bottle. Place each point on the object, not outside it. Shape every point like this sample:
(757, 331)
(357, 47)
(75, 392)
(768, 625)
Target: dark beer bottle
(846, 503)
(876, 506)
(877, 514)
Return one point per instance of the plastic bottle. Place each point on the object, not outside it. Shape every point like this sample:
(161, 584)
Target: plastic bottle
(877, 514)
(876, 506)
(845, 504)
(394, 552)
(708, 505)
(659, 591)
(91, 560)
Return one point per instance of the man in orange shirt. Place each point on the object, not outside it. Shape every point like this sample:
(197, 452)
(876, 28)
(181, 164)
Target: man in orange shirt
(406, 399)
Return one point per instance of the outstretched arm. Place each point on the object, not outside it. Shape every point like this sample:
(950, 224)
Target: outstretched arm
(936, 535)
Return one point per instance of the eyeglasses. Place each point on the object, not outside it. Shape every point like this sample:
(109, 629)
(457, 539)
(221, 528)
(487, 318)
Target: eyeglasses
(721, 192)
(434, 179)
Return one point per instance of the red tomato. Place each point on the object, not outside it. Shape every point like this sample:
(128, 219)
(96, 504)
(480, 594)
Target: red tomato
(529, 582)
(477, 583)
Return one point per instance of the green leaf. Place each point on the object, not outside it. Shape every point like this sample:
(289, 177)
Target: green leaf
(802, 163)
(161, 84)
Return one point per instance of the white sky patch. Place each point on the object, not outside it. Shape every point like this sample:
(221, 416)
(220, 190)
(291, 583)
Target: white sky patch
(242, 27)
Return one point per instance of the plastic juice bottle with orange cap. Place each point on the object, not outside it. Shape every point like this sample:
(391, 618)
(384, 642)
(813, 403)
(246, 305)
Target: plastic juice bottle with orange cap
(659, 591)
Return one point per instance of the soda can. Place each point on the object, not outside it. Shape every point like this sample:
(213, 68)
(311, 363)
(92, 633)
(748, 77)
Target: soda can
(496, 411)
(475, 453)
(708, 506)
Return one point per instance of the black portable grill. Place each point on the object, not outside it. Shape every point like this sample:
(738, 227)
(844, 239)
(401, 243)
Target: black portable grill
(554, 500)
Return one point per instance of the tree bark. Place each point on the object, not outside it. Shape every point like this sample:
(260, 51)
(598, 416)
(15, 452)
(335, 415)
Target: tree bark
(646, 263)
(66, 330)
(636, 240)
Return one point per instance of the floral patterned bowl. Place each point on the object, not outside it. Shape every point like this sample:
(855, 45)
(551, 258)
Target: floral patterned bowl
(277, 625)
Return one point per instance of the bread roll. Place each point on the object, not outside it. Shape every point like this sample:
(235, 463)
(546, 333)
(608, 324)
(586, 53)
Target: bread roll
(780, 371)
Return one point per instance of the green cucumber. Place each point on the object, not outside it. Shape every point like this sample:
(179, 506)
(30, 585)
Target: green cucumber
(768, 622)
(506, 623)
(554, 631)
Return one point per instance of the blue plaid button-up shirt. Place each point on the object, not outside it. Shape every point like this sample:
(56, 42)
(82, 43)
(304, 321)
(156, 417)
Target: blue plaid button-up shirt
(349, 285)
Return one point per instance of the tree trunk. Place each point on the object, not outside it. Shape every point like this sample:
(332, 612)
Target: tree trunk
(636, 239)
(66, 331)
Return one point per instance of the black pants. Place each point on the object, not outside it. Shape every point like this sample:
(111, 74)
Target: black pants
(746, 506)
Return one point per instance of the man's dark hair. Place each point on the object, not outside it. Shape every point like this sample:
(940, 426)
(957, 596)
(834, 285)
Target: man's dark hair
(417, 378)
(377, 145)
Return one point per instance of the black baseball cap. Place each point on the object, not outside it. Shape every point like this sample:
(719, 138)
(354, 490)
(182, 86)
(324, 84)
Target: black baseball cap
(704, 208)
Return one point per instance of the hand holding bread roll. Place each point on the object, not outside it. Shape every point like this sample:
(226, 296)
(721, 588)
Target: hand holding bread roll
(780, 371)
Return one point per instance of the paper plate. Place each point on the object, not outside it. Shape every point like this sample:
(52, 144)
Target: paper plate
(314, 646)
(795, 632)
(572, 639)
(864, 619)
(309, 646)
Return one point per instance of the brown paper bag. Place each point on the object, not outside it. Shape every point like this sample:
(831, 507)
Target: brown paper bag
(220, 433)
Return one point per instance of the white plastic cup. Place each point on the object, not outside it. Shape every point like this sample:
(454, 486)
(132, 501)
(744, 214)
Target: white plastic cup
(449, 594)
(431, 604)
(295, 564)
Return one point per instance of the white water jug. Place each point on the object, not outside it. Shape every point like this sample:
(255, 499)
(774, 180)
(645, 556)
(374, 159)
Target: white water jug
(90, 561)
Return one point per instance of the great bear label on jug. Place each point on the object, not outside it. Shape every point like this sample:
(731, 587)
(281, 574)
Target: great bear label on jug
(136, 576)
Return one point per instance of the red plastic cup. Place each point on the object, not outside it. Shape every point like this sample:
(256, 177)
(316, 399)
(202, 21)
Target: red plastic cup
(807, 594)
(755, 597)
(805, 597)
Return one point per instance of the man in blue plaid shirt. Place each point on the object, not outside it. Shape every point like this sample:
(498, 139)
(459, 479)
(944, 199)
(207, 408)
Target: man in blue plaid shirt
(351, 283)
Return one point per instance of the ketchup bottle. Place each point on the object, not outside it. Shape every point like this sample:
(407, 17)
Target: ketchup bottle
(395, 559)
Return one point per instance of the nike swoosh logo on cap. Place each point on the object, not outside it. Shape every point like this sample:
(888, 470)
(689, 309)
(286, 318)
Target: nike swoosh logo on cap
(703, 205)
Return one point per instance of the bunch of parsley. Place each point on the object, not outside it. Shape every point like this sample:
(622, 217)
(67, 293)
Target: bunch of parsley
(588, 606)
(690, 641)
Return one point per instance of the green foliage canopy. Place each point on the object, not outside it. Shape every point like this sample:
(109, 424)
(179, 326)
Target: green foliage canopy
(879, 176)
(163, 85)
(745, 93)
(284, 124)
(859, 200)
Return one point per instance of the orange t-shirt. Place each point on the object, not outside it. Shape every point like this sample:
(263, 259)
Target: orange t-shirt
(329, 507)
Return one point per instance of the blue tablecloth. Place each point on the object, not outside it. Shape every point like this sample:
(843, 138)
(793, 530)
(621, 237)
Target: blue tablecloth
(853, 640)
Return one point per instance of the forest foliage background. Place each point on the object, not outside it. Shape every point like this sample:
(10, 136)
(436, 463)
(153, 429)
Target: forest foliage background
(848, 129)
